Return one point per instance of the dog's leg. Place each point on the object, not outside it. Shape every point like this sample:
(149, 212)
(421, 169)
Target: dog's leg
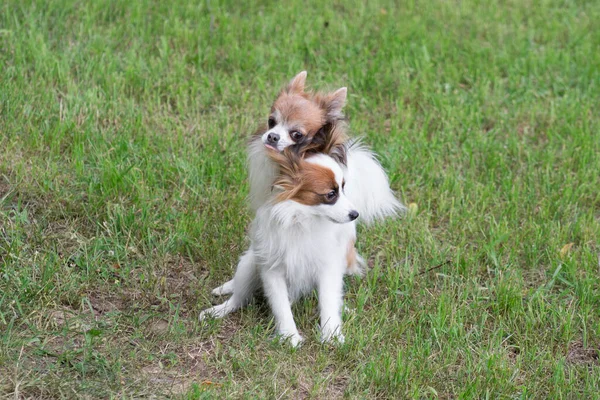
(356, 266)
(276, 291)
(224, 289)
(355, 263)
(331, 291)
(245, 282)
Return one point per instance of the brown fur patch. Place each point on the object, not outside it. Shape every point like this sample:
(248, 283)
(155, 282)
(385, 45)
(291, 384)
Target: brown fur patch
(316, 182)
(300, 113)
(301, 181)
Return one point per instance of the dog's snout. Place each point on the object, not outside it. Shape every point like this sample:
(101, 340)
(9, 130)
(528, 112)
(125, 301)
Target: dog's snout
(273, 137)
(353, 215)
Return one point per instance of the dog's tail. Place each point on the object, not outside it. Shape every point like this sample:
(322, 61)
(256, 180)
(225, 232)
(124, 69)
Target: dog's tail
(368, 187)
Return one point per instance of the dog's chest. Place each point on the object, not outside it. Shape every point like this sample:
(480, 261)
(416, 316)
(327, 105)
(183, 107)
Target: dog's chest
(305, 260)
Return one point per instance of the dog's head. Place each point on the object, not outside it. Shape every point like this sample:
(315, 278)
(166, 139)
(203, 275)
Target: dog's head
(307, 122)
(315, 184)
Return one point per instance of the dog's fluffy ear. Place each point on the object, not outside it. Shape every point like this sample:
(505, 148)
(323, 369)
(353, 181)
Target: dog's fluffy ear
(333, 103)
(331, 138)
(296, 85)
(337, 101)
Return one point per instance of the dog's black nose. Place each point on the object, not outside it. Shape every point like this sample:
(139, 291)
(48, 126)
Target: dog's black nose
(273, 137)
(353, 215)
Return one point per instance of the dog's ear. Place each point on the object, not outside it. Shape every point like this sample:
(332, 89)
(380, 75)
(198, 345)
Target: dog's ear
(296, 85)
(333, 104)
(338, 153)
(331, 138)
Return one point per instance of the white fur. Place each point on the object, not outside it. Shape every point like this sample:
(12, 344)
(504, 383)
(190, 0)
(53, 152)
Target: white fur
(294, 249)
(367, 185)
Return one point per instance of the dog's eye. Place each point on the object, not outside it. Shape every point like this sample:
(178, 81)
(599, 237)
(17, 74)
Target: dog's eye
(343, 184)
(296, 135)
(331, 195)
(272, 122)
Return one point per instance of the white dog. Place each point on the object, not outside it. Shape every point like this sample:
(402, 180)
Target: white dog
(302, 238)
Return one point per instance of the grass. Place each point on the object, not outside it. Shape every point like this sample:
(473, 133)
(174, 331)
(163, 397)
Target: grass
(122, 197)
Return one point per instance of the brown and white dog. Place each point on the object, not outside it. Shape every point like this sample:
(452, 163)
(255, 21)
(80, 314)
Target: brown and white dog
(309, 182)
(301, 239)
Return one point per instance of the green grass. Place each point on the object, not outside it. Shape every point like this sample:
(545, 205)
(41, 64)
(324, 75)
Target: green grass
(122, 197)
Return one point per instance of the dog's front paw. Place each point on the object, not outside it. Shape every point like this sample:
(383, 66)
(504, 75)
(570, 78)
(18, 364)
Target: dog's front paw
(332, 336)
(224, 289)
(294, 339)
(215, 312)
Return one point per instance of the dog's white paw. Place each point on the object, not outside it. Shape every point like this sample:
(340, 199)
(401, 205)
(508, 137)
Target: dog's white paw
(332, 336)
(224, 289)
(214, 312)
(294, 339)
(220, 291)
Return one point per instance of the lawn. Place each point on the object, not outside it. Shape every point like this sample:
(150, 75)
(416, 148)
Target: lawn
(123, 189)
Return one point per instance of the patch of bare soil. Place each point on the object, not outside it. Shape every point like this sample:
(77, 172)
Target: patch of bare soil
(174, 278)
(191, 368)
(182, 276)
(334, 387)
(103, 303)
(337, 387)
(195, 363)
(579, 355)
(179, 279)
